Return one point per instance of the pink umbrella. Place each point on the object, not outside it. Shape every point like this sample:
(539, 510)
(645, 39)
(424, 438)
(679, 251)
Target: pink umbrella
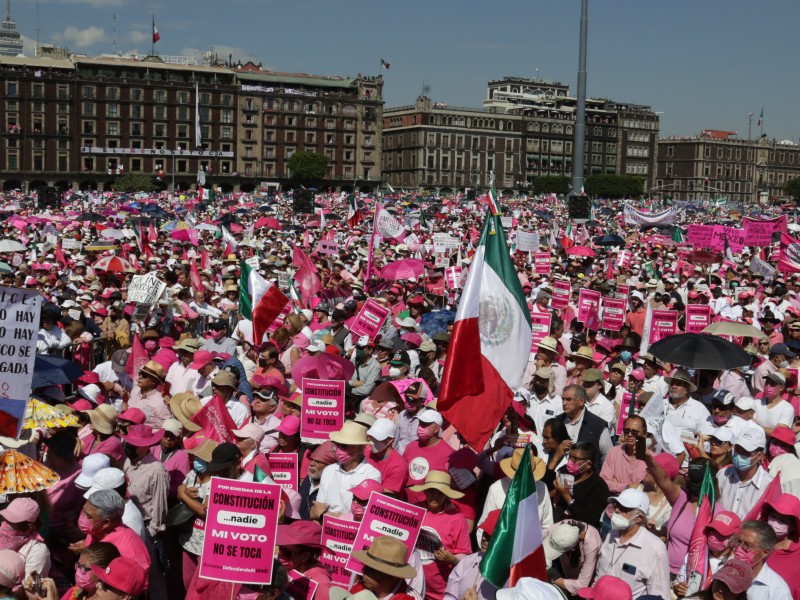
(113, 264)
(323, 366)
(267, 222)
(581, 251)
(403, 269)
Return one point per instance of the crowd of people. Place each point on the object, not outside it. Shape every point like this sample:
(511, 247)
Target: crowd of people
(619, 491)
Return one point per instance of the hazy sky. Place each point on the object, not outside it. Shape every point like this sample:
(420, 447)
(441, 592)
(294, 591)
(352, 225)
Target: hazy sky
(705, 64)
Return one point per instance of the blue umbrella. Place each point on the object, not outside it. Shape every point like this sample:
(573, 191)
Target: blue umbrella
(54, 370)
(437, 321)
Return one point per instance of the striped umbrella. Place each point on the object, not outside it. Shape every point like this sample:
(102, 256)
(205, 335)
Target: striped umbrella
(113, 264)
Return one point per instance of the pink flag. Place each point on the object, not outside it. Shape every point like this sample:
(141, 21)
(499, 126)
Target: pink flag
(771, 493)
(215, 421)
(307, 239)
(152, 236)
(194, 276)
(306, 276)
(205, 261)
(60, 255)
(137, 358)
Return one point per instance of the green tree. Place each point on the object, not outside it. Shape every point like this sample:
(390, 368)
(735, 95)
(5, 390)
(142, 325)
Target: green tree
(608, 185)
(792, 188)
(551, 184)
(307, 166)
(134, 182)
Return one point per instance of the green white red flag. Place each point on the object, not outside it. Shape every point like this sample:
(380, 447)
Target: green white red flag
(259, 300)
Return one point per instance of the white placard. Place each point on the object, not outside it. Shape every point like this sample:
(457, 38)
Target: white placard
(527, 241)
(146, 289)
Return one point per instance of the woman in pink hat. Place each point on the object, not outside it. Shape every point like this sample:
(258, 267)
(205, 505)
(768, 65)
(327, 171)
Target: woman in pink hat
(299, 548)
(19, 531)
(783, 515)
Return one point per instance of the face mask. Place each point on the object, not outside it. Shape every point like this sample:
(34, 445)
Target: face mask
(424, 433)
(130, 451)
(570, 365)
(357, 510)
(769, 391)
(394, 372)
(785, 364)
(742, 463)
(540, 389)
(150, 345)
(248, 595)
(619, 523)
(716, 544)
(776, 450)
(721, 419)
(83, 579)
(378, 447)
(286, 563)
(199, 465)
(574, 467)
(85, 524)
(747, 556)
(625, 356)
(262, 362)
(342, 456)
(780, 528)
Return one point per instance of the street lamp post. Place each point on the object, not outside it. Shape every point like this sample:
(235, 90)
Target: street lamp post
(579, 141)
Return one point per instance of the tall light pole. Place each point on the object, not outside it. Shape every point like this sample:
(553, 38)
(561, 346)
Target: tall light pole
(579, 140)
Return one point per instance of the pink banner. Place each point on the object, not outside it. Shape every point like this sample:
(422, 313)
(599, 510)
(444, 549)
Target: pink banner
(540, 326)
(613, 313)
(759, 233)
(623, 291)
(330, 247)
(300, 587)
(700, 236)
(624, 411)
(561, 294)
(452, 276)
(279, 320)
(284, 468)
(323, 408)
(387, 516)
(370, 319)
(241, 527)
(698, 317)
(338, 536)
(588, 303)
(541, 263)
(665, 323)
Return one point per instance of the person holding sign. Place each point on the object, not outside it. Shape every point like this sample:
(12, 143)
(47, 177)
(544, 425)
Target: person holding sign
(299, 548)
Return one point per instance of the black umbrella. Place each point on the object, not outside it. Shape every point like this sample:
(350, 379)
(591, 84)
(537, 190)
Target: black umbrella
(700, 351)
(593, 223)
(94, 217)
(54, 370)
(609, 239)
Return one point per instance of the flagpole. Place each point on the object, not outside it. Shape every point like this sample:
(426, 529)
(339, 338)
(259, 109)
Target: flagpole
(153, 37)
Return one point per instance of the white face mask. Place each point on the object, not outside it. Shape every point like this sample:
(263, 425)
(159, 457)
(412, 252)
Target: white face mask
(619, 523)
(394, 372)
(379, 446)
(570, 365)
(785, 364)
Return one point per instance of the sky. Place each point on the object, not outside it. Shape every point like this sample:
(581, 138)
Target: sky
(702, 64)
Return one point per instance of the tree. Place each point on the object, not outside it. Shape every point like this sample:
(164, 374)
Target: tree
(307, 166)
(134, 182)
(551, 184)
(608, 185)
(792, 188)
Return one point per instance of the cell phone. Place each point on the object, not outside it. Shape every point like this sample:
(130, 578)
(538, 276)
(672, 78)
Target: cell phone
(36, 584)
(641, 448)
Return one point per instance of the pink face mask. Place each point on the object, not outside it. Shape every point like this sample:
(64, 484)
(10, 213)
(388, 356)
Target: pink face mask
(424, 433)
(248, 595)
(747, 556)
(85, 524)
(342, 456)
(776, 450)
(769, 391)
(721, 419)
(85, 581)
(716, 543)
(150, 345)
(357, 510)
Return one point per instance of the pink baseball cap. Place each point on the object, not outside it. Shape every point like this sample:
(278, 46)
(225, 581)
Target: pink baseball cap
(123, 574)
(21, 510)
(289, 426)
(363, 490)
(638, 374)
(201, 359)
(607, 587)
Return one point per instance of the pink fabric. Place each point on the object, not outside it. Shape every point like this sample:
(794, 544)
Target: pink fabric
(422, 460)
(177, 465)
(65, 498)
(111, 446)
(393, 469)
(127, 542)
(784, 563)
(620, 470)
(165, 357)
(452, 528)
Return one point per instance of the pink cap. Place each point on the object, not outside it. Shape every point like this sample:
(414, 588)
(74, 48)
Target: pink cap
(123, 574)
(607, 587)
(21, 510)
(132, 415)
(201, 359)
(365, 488)
(412, 338)
(638, 374)
(289, 426)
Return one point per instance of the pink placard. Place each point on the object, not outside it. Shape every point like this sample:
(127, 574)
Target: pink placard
(541, 263)
(623, 291)
(338, 536)
(698, 317)
(300, 587)
(329, 247)
(240, 532)
(370, 319)
(759, 233)
(387, 516)
(613, 313)
(452, 276)
(284, 468)
(540, 328)
(588, 302)
(561, 294)
(664, 323)
(700, 236)
(323, 408)
(624, 411)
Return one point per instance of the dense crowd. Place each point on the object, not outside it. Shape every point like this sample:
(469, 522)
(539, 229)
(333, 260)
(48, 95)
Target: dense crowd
(617, 497)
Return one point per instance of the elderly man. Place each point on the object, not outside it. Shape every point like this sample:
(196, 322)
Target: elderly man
(148, 478)
(582, 425)
(546, 354)
(683, 412)
(146, 397)
(543, 403)
(367, 372)
(743, 483)
(779, 355)
(755, 545)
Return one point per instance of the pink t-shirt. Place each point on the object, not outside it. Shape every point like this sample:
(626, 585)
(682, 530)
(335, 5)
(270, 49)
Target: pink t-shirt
(679, 531)
(394, 470)
(451, 526)
(420, 461)
(127, 542)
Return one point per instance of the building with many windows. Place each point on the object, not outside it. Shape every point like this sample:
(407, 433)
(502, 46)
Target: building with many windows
(524, 130)
(10, 38)
(717, 164)
(80, 122)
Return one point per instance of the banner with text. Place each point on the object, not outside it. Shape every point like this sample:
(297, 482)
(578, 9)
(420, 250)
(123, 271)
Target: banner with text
(338, 536)
(370, 319)
(664, 323)
(284, 468)
(561, 293)
(588, 304)
(698, 317)
(323, 408)
(613, 313)
(540, 327)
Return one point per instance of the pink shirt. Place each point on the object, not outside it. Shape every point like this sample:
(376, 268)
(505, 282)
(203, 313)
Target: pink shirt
(451, 526)
(151, 404)
(177, 465)
(621, 470)
(111, 446)
(127, 542)
(65, 498)
(421, 460)
(393, 469)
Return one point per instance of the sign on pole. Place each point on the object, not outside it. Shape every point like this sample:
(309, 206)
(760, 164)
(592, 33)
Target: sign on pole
(146, 289)
(323, 408)
(370, 319)
(338, 536)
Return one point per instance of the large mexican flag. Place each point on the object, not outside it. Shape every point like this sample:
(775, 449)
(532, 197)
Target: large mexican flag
(259, 300)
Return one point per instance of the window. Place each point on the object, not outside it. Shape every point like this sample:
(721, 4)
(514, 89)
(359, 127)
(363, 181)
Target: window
(226, 133)
(136, 95)
(112, 93)
(87, 109)
(227, 116)
(112, 128)
(136, 112)
(182, 131)
(160, 112)
(205, 98)
(183, 97)
(160, 96)
(87, 92)
(112, 110)
(227, 100)
(12, 161)
(160, 130)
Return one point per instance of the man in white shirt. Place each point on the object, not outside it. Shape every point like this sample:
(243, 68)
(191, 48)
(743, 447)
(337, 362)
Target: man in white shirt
(743, 483)
(653, 382)
(683, 412)
(543, 403)
(597, 404)
(755, 544)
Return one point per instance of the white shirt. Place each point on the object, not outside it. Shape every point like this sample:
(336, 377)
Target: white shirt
(540, 410)
(768, 585)
(656, 385)
(336, 483)
(603, 408)
(689, 416)
(132, 517)
(737, 496)
(781, 414)
(496, 496)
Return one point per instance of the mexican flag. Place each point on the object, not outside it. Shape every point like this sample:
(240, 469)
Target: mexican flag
(516, 548)
(259, 300)
(353, 212)
(697, 566)
(494, 206)
(491, 341)
(566, 239)
(677, 235)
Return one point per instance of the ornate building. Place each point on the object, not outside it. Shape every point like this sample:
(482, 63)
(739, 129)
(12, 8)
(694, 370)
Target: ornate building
(10, 38)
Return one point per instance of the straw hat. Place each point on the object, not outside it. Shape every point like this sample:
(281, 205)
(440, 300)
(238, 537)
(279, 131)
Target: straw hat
(184, 406)
(509, 465)
(154, 369)
(682, 376)
(204, 449)
(351, 434)
(387, 555)
(103, 418)
(438, 480)
(231, 287)
(584, 352)
(548, 344)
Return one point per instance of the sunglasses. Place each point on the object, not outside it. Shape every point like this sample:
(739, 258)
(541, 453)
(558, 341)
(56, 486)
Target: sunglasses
(635, 432)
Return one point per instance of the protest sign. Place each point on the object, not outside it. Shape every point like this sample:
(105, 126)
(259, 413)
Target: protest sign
(507, 222)
(518, 440)
(726, 264)
(71, 244)
(561, 294)
(283, 280)
(613, 313)
(623, 291)
(19, 326)
(452, 276)
(370, 319)
(146, 289)
(588, 303)
(300, 587)
(698, 317)
(759, 233)
(761, 267)
(387, 516)
(700, 236)
(527, 241)
(444, 242)
(323, 408)
(664, 323)
(625, 411)
(441, 262)
(284, 469)
(540, 327)
(428, 543)
(253, 262)
(240, 532)
(327, 247)
(338, 536)
(387, 225)
(541, 263)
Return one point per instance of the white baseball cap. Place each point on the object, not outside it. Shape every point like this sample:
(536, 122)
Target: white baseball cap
(105, 479)
(745, 403)
(90, 467)
(430, 416)
(723, 434)
(631, 498)
(174, 426)
(382, 428)
(562, 538)
(752, 438)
